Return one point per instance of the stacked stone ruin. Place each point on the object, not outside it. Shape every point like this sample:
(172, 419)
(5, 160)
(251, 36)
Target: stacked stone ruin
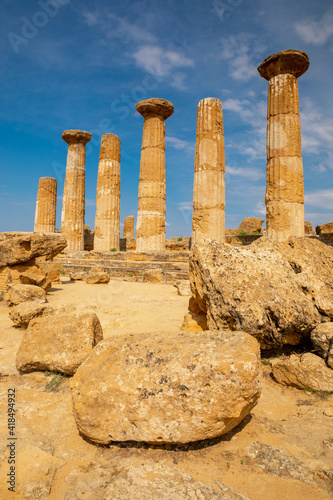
(284, 190)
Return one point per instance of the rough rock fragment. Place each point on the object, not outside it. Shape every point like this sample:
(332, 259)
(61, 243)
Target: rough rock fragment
(22, 314)
(322, 341)
(306, 371)
(167, 388)
(24, 293)
(97, 277)
(59, 342)
(250, 225)
(278, 292)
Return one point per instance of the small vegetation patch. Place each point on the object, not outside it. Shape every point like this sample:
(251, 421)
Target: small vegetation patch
(242, 233)
(265, 362)
(319, 393)
(1, 295)
(180, 238)
(113, 249)
(53, 384)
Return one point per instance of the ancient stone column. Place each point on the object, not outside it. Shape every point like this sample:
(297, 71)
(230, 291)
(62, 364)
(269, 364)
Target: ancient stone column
(46, 206)
(150, 226)
(128, 231)
(285, 187)
(73, 206)
(107, 221)
(208, 220)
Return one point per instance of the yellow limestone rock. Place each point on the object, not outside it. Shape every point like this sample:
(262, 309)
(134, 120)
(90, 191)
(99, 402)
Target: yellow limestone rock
(150, 226)
(209, 174)
(178, 387)
(46, 206)
(128, 231)
(107, 221)
(73, 208)
(285, 187)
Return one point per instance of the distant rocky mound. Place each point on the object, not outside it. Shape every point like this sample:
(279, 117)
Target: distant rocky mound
(277, 292)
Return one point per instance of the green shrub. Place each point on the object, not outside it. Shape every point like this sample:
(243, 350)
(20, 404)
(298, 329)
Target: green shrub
(53, 384)
(180, 238)
(1, 295)
(242, 233)
(63, 272)
(113, 249)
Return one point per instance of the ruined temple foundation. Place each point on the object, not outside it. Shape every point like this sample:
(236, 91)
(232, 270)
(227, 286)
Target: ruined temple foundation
(285, 187)
(46, 206)
(107, 221)
(208, 220)
(73, 208)
(128, 231)
(150, 226)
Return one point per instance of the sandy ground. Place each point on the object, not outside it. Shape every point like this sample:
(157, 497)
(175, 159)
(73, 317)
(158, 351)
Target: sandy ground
(283, 450)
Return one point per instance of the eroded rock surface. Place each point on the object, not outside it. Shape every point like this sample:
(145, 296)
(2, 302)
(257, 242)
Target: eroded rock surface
(25, 293)
(306, 371)
(22, 314)
(59, 342)
(277, 292)
(97, 277)
(174, 388)
(322, 340)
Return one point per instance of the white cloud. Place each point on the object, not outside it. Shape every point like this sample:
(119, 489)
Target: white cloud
(181, 145)
(317, 130)
(322, 199)
(90, 203)
(253, 174)
(242, 51)
(316, 32)
(260, 208)
(162, 63)
(185, 205)
(319, 168)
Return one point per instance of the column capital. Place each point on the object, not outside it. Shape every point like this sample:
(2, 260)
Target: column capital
(292, 62)
(155, 107)
(76, 136)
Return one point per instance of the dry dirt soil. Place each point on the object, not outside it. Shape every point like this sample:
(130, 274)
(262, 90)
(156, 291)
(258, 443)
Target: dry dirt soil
(283, 450)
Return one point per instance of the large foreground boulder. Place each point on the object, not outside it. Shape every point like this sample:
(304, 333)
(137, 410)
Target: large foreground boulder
(58, 342)
(306, 371)
(24, 293)
(278, 292)
(167, 388)
(22, 247)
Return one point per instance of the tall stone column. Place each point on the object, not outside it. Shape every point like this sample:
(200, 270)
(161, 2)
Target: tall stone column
(128, 231)
(208, 220)
(46, 206)
(285, 187)
(150, 226)
(73, 206)
(107, 221)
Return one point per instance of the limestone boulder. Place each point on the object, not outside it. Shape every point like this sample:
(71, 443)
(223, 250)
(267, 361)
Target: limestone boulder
(322, 341)
(324, 228)
(154, 276)
(22, 247)
(24, 293)
(59, 342)
(97, 277)
(277, 292)
(308, 229)
(250, 225)
(167, 388)
(306, 371)
(78, 275)
(22, 314)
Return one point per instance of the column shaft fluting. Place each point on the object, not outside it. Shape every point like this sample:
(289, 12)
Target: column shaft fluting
(46, 206)
(128, 231)
(73, 208)
(107, 221)
(208, 220)
(150, 227)
(285, 186)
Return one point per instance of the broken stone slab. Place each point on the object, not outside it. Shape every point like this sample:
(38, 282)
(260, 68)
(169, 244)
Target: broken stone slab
(168, 388)
(324, 228)
(183, 288)
(16, 248)
(97, 277)
(59, 342)
(22, 314)
(322, 341)
(306, 371)
(277, 292)
(24, 293)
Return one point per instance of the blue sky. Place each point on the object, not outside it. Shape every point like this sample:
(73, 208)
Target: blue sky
(84, 64)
